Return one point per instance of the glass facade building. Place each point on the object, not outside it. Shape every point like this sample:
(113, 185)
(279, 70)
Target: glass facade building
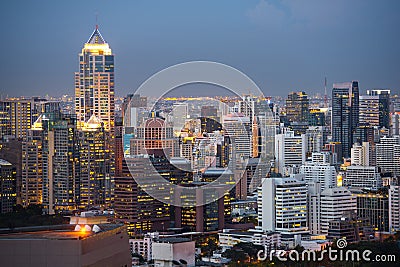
(94, 83)
(345, 114)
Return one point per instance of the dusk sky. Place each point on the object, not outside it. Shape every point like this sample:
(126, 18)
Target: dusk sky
(282, 45)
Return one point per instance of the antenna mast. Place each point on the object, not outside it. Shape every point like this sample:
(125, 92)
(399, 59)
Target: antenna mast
(326, 96)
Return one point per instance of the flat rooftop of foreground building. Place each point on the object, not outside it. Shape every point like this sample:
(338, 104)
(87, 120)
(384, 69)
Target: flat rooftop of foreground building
(97, 245)
(55, 232)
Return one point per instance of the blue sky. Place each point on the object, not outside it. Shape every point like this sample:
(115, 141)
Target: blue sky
(282, 45)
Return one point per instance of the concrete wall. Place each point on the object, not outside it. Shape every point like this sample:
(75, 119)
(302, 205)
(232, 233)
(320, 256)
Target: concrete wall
(40, 252)
(167, 252)
(109, 248)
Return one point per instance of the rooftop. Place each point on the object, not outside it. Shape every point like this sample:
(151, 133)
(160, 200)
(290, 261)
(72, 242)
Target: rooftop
(4, 162)
(61, 232)
(96, 37)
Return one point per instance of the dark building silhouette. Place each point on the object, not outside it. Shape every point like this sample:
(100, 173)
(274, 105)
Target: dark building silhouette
(345, 114)
(8, 186)
(297, 105)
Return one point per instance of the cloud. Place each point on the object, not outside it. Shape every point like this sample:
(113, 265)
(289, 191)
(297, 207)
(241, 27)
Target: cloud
(306, 14)
(266, 14)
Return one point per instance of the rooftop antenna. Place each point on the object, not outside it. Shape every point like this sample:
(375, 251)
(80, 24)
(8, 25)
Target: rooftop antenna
(97, 25)
(326, 96)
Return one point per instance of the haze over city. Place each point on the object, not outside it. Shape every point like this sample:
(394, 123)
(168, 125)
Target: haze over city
(283, 46)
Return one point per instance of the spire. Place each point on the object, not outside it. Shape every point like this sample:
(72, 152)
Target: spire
(96, 37)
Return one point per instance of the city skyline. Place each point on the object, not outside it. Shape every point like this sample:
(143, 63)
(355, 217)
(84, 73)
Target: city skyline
(233, 151)
(283, 36)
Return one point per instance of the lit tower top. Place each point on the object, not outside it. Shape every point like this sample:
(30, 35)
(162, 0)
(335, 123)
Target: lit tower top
(96, 44)
(94, 83)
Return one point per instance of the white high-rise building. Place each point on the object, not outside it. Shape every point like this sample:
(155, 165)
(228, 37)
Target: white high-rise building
(319, 175)
(282, 206)
(363, 177)
(290, 152)
(394, 207)
(229, 238)
(388, 155)
(336, 203)
(361, 154)
(324, 157)
(323, 173)
(314, 207)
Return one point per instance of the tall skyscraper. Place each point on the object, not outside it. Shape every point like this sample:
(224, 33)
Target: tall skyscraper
(94, 83)
(32, 168)
(49, 164)
(95, 111)
(345, 114)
